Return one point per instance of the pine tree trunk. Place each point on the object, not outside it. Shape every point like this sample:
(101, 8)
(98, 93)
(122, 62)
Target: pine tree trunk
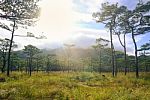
(125, 55)
(4, 62)
(145, 62)
(30, 66)
(26, 68)
(115, 63)
(10, 46)
(125, 60)
(112, 53)
(136, 57)
(37, 66)
(100, 61)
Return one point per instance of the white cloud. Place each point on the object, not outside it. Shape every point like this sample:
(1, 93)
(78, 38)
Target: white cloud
(58, 21)
(92, 5)
(83, 17)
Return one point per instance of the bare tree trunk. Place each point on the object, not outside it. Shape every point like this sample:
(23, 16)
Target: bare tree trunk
(4, 62)
(48, 64)
(100, 61)
(37, 66)
(125, 52)
(26, 68)
(11, 64)
(30, 66)
(112, 53)
(10, 46)
(145, 62)
(3, 67)
(136, 57)
(115, 63)
(125, 60)
(91, 65)
(68, 65)
(125, 55)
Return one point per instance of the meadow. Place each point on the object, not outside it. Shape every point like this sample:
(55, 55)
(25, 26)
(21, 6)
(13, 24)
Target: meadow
(74, 86)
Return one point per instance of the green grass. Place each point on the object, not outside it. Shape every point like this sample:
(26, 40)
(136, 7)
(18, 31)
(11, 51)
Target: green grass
(75, 86)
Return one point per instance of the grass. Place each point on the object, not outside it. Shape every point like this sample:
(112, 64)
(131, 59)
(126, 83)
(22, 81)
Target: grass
(75, 86)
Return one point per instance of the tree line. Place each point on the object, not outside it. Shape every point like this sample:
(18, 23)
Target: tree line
(94, 59)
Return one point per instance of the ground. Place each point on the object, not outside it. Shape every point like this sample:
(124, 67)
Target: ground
(74, 86)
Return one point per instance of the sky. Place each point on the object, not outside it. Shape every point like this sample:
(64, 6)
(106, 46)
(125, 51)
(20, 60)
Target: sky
(71, 22)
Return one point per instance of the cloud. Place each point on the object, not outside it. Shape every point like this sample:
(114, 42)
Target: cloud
(83, 17)
(83, 9)
(81, 37)
(50, 45)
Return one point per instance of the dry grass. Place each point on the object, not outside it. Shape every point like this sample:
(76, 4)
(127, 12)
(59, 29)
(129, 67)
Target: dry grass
(75, 86)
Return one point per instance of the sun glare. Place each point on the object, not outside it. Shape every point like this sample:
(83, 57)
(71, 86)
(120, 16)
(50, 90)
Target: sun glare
(56, 20)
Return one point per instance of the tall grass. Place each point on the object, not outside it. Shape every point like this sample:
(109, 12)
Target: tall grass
(75, 86)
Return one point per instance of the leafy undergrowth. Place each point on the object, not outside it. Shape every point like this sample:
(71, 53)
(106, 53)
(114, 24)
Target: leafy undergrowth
(75, 86)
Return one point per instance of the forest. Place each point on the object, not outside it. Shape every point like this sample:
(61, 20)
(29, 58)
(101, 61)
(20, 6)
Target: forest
(97, 72)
